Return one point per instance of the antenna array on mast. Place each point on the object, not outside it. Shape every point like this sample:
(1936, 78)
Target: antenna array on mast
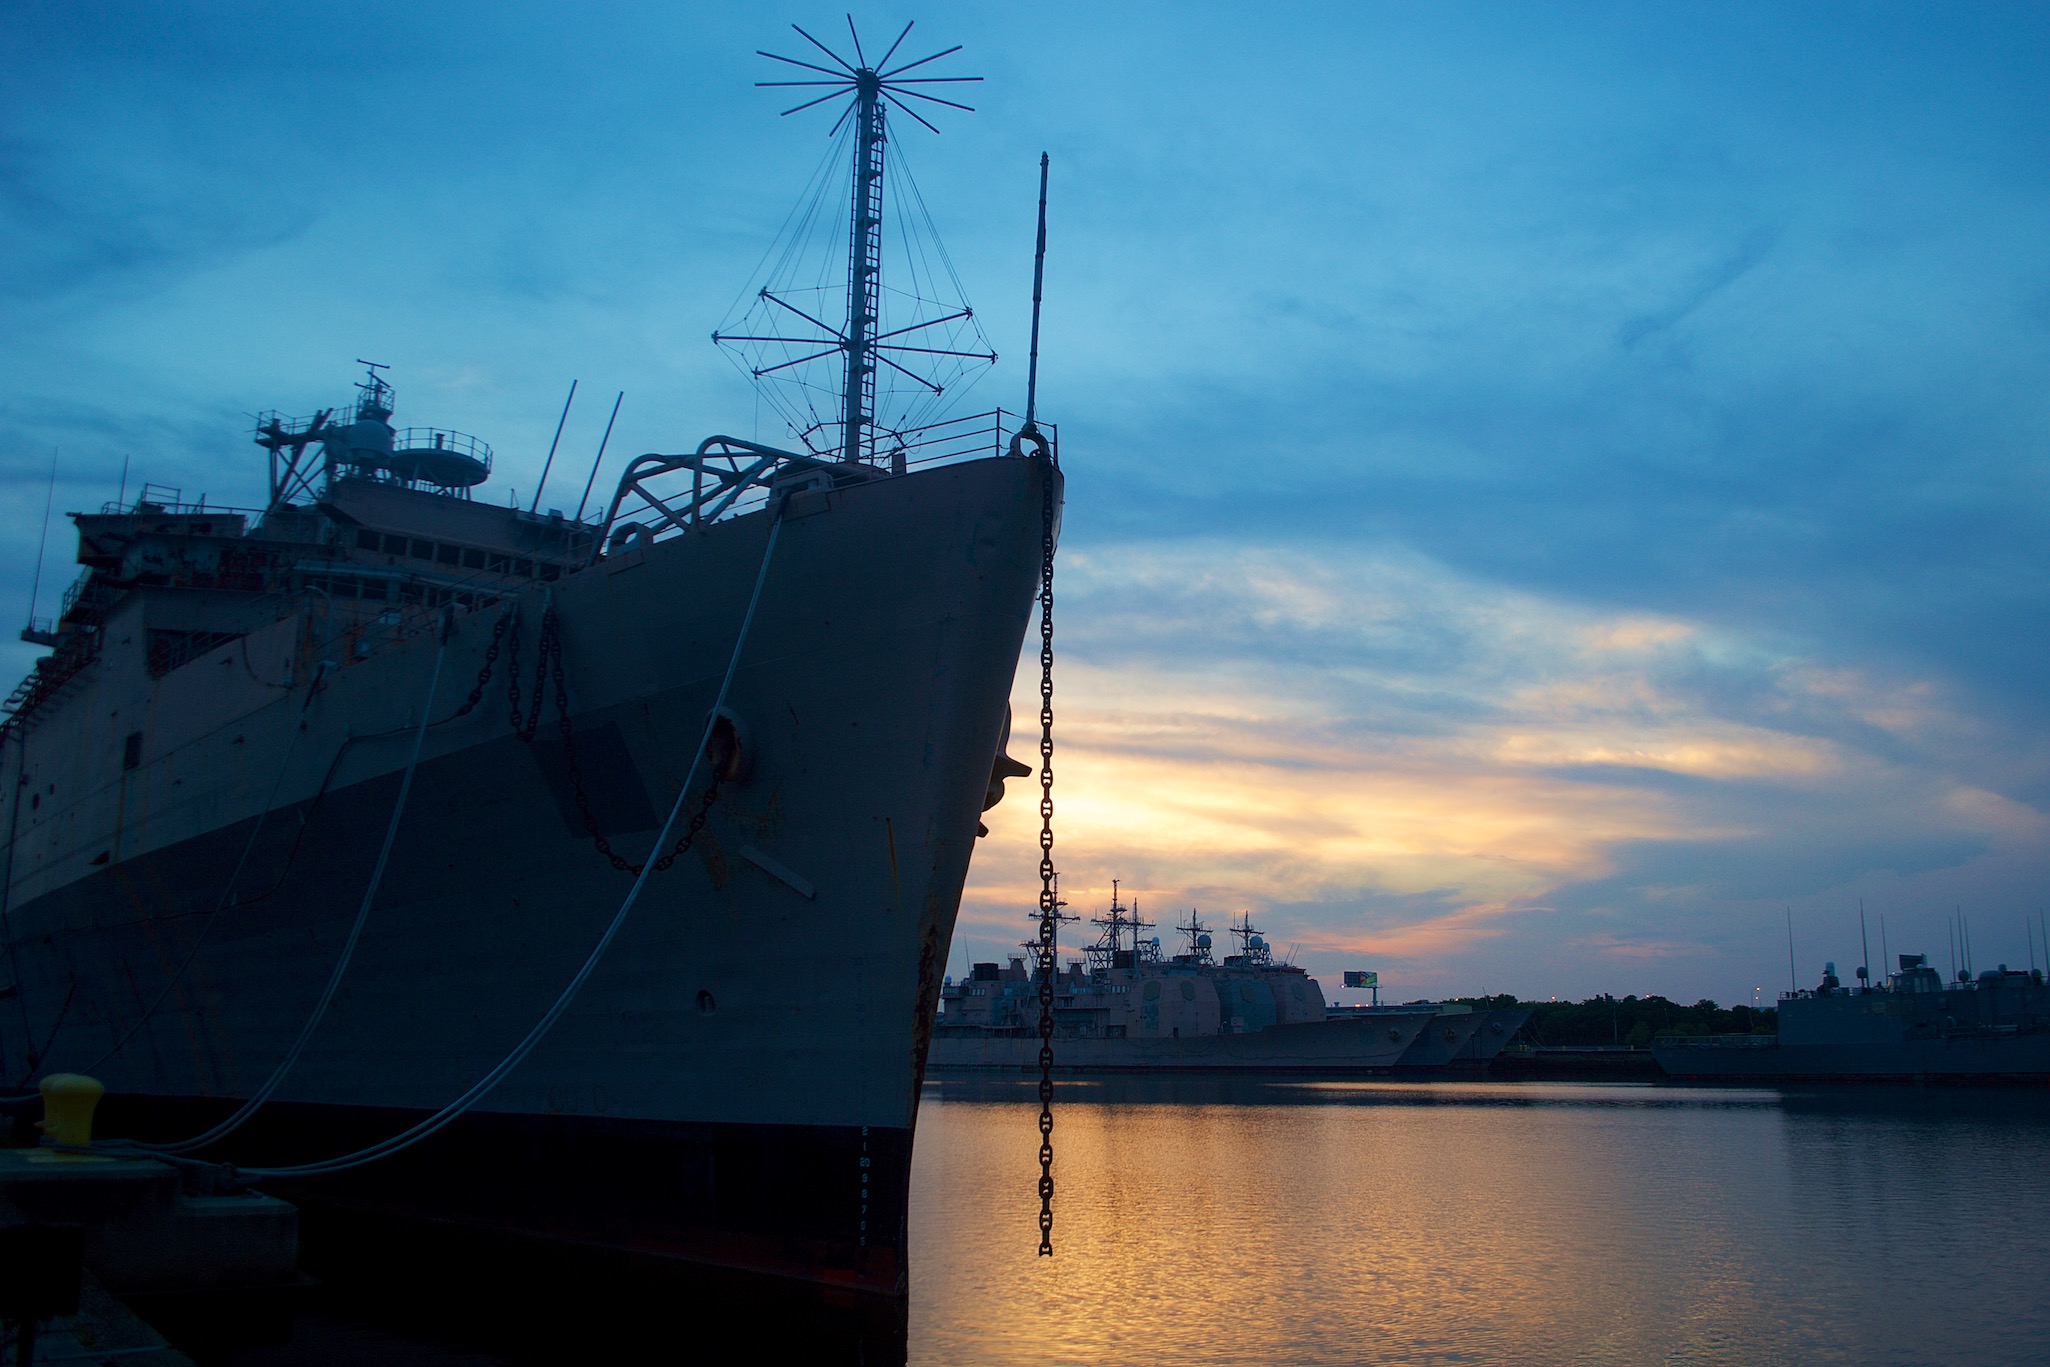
(920, 348)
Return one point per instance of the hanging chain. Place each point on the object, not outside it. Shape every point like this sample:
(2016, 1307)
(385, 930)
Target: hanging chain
(1049, 905)
(512, 674)
(525, 723)
(505, 619)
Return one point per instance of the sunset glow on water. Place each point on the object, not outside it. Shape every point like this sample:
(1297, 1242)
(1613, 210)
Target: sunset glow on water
(1341, 1222)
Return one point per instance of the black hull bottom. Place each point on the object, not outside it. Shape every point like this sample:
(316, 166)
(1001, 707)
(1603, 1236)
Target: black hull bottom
(822, 1204)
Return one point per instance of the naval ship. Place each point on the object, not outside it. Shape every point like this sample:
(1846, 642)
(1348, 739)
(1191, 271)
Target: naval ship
(1127, 1006)
(1994, 1026)
(323, 803)
(1458, 1038)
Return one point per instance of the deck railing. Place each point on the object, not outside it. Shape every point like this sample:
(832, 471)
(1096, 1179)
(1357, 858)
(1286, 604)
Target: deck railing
(726, 476)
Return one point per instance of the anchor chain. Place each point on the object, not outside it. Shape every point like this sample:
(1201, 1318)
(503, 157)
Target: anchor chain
(526, 724)
(1049, 903)
(505, 619)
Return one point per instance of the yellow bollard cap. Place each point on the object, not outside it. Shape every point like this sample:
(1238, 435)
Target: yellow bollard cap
(68, 1103)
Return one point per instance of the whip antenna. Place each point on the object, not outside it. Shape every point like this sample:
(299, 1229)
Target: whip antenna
(1038, 279)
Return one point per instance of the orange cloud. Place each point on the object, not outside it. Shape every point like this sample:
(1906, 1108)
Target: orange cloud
(1244, 728)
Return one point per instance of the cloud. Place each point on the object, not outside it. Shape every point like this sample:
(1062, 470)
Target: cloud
(1565, 493)
(1386, 758)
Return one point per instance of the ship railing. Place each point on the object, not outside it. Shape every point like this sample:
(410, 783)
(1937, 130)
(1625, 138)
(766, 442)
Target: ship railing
(969, 438)
(659, 495)
(49, 675)
(443, 439)
(73, 594)
(162, 498)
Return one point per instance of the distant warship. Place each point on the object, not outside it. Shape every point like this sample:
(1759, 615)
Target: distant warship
(1125, 1005)
(1459, 1038)
(1991, 1027)
(324, 803)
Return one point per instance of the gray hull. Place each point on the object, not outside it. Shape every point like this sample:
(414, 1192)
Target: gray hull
(1494, 1034)
(2011, 1058)
(1439, 1043)
(869, 699)
(1340, 1046)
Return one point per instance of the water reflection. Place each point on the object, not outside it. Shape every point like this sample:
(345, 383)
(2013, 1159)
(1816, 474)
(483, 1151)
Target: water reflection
(1224, 1220)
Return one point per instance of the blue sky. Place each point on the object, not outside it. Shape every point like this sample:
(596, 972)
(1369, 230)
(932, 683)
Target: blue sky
(1550, 487)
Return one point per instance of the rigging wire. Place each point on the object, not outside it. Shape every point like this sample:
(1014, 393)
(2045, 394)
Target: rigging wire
(796, 366)
(449, 1113)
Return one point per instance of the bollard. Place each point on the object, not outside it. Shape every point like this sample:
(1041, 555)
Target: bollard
(68, 1103)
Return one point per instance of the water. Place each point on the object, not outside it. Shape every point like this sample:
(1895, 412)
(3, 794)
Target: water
(1483, 1222)
(1208, 1222)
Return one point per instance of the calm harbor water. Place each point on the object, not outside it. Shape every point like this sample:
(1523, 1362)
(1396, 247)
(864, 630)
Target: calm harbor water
(1208, 1222)
(1455, 1222)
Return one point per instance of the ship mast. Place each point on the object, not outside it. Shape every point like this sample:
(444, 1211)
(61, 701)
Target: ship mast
(864, 262)
(866, 345)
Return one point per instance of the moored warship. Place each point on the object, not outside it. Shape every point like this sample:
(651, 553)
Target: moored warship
(1497, 1028)
(1457, 1038)
(1994, 1026)
(317, 807)
(1127, 1006)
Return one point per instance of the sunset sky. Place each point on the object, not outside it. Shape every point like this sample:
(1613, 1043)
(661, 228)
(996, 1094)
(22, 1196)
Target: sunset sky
(1550, 488)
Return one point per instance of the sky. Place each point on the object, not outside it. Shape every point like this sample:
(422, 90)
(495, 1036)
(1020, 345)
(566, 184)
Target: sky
(1553, 491)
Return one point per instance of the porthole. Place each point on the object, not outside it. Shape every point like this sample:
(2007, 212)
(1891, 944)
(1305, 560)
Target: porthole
(706, 1005)
(1188, 991)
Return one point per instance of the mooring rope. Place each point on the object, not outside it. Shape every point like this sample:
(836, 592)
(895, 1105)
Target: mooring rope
(449, 1113)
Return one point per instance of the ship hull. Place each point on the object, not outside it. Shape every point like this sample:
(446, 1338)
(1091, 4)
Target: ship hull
(786, 1201)
(2013, 1058)
(1490, 1037)
(689, 1083)
(1337, 1046)
(1440, 1042)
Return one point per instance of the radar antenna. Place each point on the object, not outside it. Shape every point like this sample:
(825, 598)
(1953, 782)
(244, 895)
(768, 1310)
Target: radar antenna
(778, 338)
(1253, 947)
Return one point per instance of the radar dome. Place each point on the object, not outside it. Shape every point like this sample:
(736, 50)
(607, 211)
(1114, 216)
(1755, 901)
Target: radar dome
(1257, 943)
(1202, 942)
